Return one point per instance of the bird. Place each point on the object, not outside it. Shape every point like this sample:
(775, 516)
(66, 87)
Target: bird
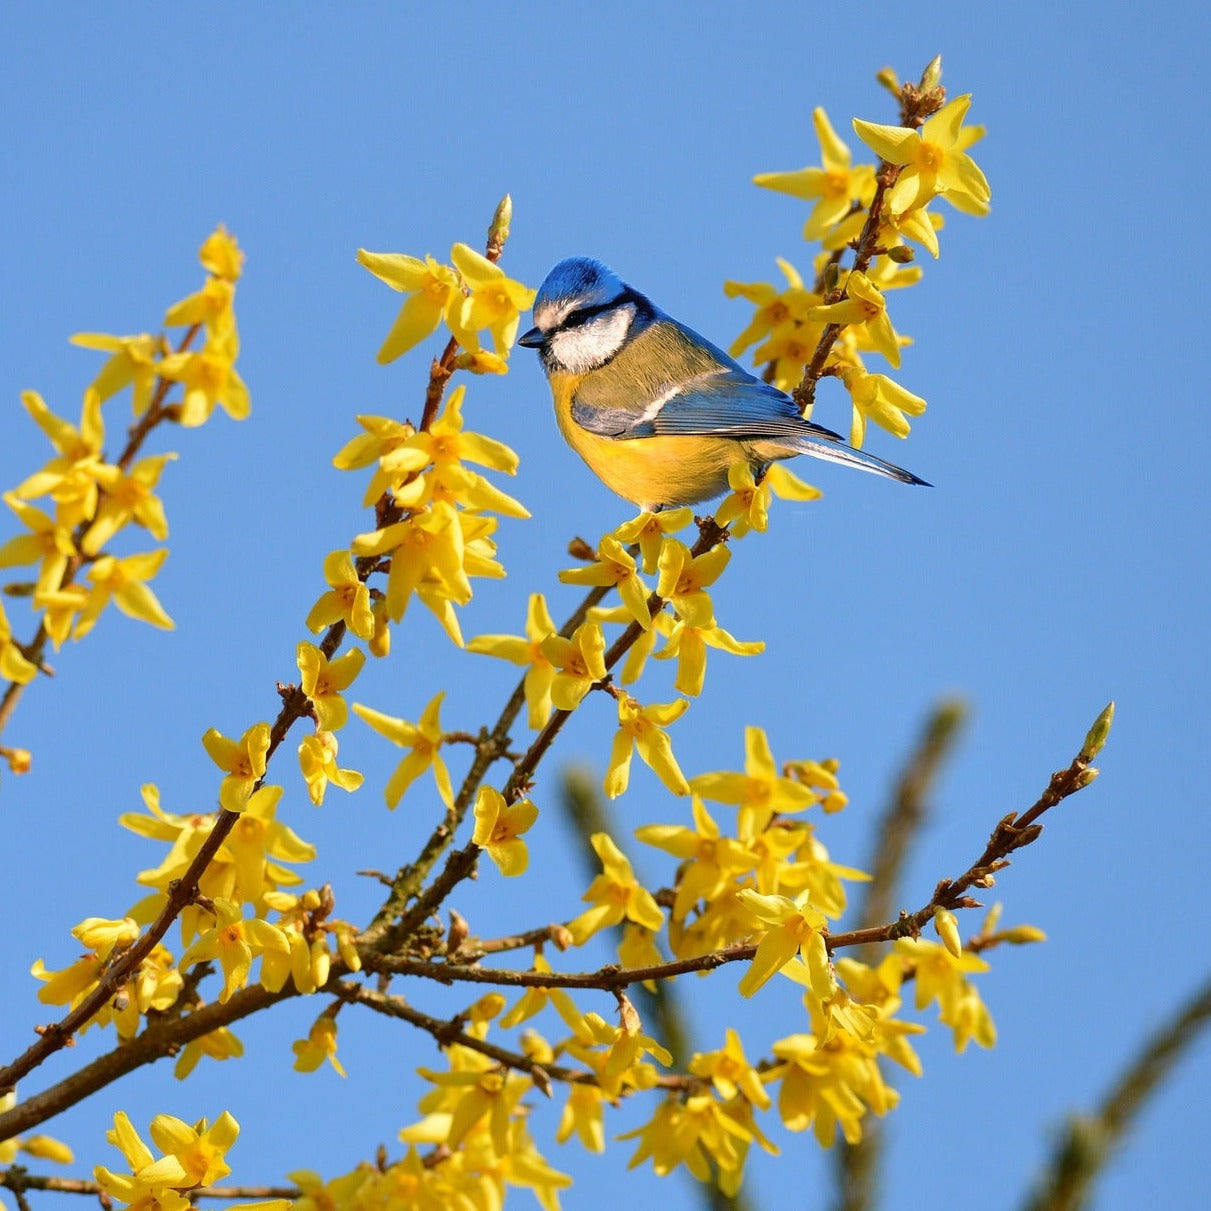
(659, 413)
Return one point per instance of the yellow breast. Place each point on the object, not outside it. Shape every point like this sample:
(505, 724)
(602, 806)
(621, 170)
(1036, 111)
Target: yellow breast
(648, 471)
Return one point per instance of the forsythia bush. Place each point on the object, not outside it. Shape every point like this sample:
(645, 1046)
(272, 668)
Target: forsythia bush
(750, 894)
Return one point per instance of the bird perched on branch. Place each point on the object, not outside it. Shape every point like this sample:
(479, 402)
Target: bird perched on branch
(658, 412)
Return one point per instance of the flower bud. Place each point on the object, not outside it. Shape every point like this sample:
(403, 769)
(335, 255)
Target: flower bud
(1095, 741)
(498, 232)
(948, 930)
(931, 77)
(1021, 934)
(890, 81)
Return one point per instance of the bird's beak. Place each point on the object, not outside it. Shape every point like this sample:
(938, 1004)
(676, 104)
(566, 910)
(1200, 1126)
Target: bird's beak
(532, 339)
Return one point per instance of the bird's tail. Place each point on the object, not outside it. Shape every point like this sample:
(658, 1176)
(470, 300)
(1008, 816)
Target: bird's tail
(831, 447)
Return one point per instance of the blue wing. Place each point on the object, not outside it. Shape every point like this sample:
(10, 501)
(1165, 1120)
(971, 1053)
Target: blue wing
(668, 380)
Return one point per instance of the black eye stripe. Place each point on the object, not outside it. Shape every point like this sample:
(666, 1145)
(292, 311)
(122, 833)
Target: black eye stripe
(582, 315)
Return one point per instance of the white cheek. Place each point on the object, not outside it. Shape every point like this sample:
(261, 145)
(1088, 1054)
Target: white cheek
(590, 345)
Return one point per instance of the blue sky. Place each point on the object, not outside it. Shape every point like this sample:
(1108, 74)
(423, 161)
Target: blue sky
(1060, 561)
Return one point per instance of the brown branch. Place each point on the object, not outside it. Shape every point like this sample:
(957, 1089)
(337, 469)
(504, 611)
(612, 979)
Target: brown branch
(161, 1038)
(1011, 833)
(16, 1179)
(446, 1033)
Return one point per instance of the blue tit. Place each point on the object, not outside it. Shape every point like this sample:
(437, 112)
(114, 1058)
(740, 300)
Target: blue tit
(658, 412)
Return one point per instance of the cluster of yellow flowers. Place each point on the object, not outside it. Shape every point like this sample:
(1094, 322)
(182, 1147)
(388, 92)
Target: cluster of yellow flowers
(93, 499)
(877, 211)
(192, 1157)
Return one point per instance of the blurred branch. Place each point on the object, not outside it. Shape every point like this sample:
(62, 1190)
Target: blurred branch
(1089, 1141)
(588, 813)
(856, 1166)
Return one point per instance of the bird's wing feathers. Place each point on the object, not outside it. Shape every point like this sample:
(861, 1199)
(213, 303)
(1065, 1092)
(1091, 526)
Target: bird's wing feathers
(669, 381)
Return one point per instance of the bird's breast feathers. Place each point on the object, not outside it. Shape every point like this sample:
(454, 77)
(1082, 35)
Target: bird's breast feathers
(647, 471)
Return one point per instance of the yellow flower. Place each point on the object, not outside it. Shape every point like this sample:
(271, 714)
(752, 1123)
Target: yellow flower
(324, 679)
(122, 581)
(424, 738)
(43, 1147)
(481, 361)
(102, 935)
(347, 599)
(69, 984)
(687, 645)
(498, 829)
(797, 928)
(836, 184)
(866, 308)
(200, 1149)
(18, 760)
(317, 760)
(234, 941)
(828, 1086)
(60, 609)
(126, 497)
(642, 727)
(257, 843)
(318, 1046)
(13, 664)
(243, 761)
(579, 663)
(649, 529)
(730, 1072)
(429, 552)
(616, 895)
(759, 792)
(132, 363)
(447, 442)
(776, 309)
(540, 675)
(932, 158)
(790, 347)
(47, 541)
(495, 302)
(879, 398)
(473, 1090)
(432, 290)
(77, 447)
(535, 999)
(746, 507)
(220, 254)
(582, 1114)
(209, 379)
(615, 567)
(684, 579)
(212, 306)
(709, 862)
(942, 976)
(382, 435)
(218, 1044)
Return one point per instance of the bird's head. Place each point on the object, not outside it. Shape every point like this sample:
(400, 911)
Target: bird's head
(583, 314)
